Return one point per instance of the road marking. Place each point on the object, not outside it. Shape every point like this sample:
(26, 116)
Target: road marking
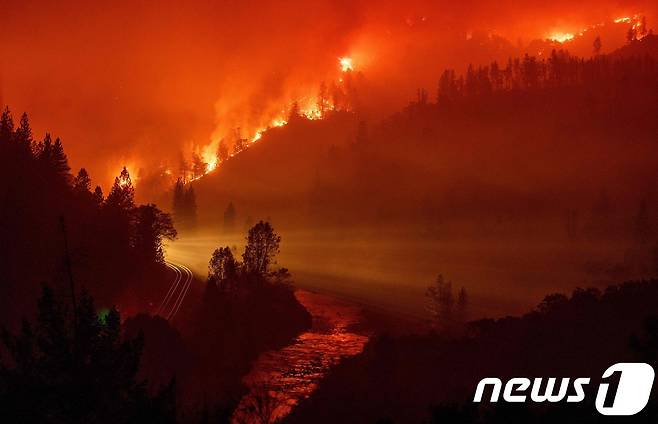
(177, 291)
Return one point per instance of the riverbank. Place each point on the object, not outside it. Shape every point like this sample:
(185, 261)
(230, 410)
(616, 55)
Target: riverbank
(280, 378)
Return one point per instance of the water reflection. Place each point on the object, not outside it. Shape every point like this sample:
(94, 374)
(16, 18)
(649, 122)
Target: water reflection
(279, 379)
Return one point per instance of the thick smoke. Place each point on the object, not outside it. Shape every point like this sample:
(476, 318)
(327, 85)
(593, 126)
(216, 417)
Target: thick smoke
(139, 83)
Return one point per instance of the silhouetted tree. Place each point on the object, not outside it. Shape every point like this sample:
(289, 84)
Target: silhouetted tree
(262, 247)
(631, 35)
(6, 125)
(152, 227)
(597, 45)
(294, 113)
(122, 194)
(184, 205)
(241, 144)
(178, 204)
(77, 371)
(223, 268)
(190, 206)
(323, 100)
(445, 312)
(45, 151)
(82, 182)
(60, 161)
(198, 166)
(98, 196)
(24, 135)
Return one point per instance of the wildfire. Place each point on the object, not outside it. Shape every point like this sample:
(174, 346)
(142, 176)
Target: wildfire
(132, 175)
(561, 37)
(637, 22)
(345, 64)
(311, 107)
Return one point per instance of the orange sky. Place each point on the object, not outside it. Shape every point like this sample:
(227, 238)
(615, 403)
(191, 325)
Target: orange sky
(139, 82)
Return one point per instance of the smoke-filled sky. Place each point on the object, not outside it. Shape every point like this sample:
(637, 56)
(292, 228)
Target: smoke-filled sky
(139, 82)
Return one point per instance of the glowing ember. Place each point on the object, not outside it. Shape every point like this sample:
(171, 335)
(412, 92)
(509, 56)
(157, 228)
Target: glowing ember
(211, 165)
(345, 64)
(210, 157)
(312, 113)
(623, 19)
(311, 107)
(561, 37)
(257, 136)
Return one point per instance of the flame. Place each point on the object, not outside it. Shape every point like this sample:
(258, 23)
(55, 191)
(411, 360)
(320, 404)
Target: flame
(132, 168)
(258, 135)
(345, 64)
(279, 122)
(561, 37)
(623, 19)
(311, 107)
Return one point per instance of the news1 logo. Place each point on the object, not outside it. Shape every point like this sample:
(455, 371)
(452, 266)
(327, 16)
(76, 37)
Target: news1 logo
(624, 390)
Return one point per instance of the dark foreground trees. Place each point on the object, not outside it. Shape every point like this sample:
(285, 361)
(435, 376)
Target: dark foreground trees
(433, 378)
(115, 246)
(246, 308)
(73, 366)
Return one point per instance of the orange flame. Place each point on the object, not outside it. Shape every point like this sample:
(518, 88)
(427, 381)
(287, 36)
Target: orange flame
(346, 64)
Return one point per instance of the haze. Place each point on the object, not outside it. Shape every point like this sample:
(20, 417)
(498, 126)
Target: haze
(141, 84)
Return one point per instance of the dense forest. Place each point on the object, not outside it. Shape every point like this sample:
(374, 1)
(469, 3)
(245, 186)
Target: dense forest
(476, 145)
(85, 252)
(56, 227)
(542, 165)
(534, 157)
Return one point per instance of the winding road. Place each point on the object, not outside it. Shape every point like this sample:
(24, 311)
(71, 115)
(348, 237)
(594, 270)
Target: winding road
(177, 292)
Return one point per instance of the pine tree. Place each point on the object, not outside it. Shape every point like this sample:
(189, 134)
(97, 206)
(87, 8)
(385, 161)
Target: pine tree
(45, 151)
(198, 166)
(597, 45)
(6, 126)
(441, 303)
(70, 355)
(178, 204)
(190, 206)
(24, 133)
(98, 196)
(122, 194)
(59, 160)
(294, 114)
(82, 182)
(322, 100)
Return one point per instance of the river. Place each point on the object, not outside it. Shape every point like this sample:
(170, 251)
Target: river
(279, 379)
